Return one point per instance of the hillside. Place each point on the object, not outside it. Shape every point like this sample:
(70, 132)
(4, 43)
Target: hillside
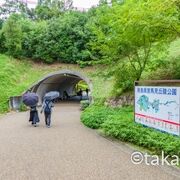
(17, 75)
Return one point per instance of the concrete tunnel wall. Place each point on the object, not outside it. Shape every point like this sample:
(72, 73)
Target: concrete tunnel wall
(64, 80)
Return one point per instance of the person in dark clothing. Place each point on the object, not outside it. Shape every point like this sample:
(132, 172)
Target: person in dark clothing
(34, 118)
(47, 108)
(65, 95)
(87, 91)
(79, 93)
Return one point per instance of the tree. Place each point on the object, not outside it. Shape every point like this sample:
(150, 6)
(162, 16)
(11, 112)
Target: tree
(13, 35)
(2, 43)
(33, 38)
(15, 6)
(47, 9)
(110, 2)
(103, 2)
(60, 39)
(129, 32)
(151, 25)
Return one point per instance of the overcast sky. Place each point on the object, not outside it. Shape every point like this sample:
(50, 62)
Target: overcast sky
(76, 3)
(85, 3)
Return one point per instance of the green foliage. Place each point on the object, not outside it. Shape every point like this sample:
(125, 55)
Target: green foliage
(15, 6)
(18, 76)
(22, 107)
(1, 23)
(118, 123)
(102, 85)
(3, 48)
(8, 74)
(94, 116)
(81, 85)
(123, 79)
(105, 34)
(62, 39)
(84, 104)
(165, 65)
(174, 50)
(168, 72)
(13, 35)
(47, 9)
(15, 78)
(123, 128)
(33, 41)
(130, 37)
(130, 32)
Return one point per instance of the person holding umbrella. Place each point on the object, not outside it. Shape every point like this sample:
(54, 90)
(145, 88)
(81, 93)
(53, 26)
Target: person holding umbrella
(47, 106)
(34, 118)
(31, 100)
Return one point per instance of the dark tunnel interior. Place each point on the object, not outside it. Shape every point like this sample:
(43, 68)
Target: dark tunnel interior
(65, 82)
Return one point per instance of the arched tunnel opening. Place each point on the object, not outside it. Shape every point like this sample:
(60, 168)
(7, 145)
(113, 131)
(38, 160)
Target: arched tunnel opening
(71, 85)
(71, 82)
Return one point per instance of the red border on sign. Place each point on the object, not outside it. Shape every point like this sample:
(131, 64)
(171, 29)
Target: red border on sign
(162, 120)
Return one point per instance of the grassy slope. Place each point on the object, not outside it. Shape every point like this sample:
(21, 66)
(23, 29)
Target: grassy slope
(14, 79)
(174, 50)
(17, 76)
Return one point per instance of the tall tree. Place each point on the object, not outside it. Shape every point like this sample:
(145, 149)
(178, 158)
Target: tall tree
(128, 33)
(47, 9)
(63, 39)
(13, 35)
(15, 6)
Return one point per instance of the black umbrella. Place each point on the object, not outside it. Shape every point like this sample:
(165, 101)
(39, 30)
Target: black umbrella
(30, 99)
(51, 95)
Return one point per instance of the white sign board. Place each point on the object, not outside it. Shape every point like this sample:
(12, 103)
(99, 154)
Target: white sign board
(158, 107)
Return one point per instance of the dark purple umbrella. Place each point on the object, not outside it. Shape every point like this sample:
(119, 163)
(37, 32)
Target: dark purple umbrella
(30, 99)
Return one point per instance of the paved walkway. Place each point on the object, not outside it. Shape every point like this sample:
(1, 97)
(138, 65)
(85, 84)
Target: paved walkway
(66, 151)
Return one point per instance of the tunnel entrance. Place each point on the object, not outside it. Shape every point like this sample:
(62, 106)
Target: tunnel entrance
(71, 84)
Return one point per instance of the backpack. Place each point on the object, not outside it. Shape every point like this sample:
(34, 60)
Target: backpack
(47, 108)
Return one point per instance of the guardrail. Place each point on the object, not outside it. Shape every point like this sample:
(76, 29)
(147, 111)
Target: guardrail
(15, 102)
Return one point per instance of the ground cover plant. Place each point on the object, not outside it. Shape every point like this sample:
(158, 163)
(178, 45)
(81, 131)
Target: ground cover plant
(119, 123)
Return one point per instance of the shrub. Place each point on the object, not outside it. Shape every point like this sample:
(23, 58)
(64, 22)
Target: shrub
(118, 123)
(123, 128)
(84, 104)
(22, 107)
(123, 79)
(13, 36)
(169, 71)
(60, 39)
(94, 116)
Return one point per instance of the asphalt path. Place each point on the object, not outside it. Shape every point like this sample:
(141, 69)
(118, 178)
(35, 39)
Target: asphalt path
(67, 151)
